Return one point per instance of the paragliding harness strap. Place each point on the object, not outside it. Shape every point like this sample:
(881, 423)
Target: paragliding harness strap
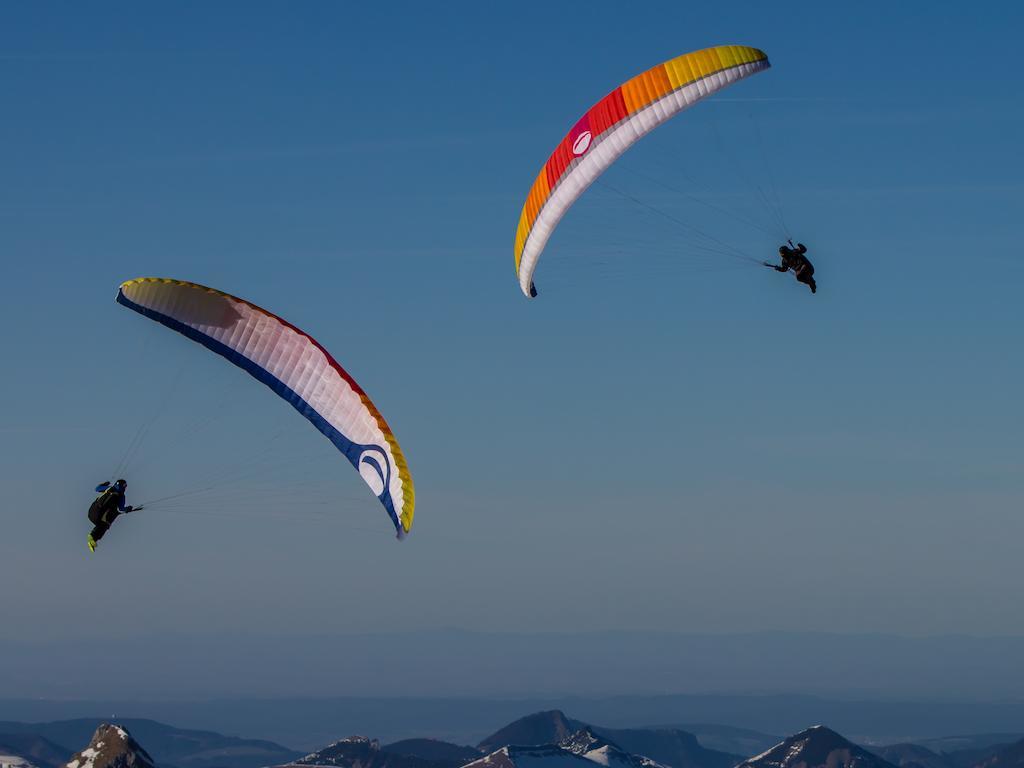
(97, 514)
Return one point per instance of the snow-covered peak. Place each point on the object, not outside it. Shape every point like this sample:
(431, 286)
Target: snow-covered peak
(816, 747)
(582, 741)
(111, 747)
(350, 752)
(580, 749)
(364, 752)
(545, 756)
(600, 750)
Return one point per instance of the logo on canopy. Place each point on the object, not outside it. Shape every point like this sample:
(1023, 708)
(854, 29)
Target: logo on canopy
(582, 143)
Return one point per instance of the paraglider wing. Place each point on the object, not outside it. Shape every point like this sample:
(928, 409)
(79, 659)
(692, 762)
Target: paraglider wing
(295, 367)
(610, 127)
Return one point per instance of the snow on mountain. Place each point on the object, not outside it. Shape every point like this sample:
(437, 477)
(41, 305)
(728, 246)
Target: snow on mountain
(542, 756)
(586, 743)
(42, 744)
(581, 748)
(362, 752)
(669, 746)
(352, 752)
(817, 747)
(111, 747)
(602, 751)
(14, 761)
(33, 749)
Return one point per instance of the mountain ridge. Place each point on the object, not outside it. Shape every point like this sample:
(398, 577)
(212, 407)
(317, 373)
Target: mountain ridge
(814, 747)
(170, 746)
(111, 746)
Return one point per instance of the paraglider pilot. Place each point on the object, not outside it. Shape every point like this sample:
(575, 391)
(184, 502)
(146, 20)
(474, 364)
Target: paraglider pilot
(104, 510)
(793, 260)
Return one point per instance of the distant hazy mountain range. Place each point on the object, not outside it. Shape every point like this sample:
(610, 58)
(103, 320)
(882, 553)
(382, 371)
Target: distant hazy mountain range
(551, 739)
(984, 752)
(455, 663)
(547, 739)
(667, 746)
(307, 724)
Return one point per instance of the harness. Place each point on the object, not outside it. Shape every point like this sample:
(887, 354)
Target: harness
(99, 500)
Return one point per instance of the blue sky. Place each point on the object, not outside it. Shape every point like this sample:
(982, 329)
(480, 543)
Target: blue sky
(703, 447)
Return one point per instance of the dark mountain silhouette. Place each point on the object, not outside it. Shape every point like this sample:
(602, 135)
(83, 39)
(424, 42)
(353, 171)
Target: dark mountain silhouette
(35, 749)
(1010, 756)
(362, 752)
(912, 756)
(970, 747)
(968, 758)
(669, 746)
(817, 747)
(539, 728)
(925, 755)
(726, 738)
(434, 750)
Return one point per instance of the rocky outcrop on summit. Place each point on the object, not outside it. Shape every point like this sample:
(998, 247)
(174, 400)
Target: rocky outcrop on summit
(583, 741)
(602, 751)
(817, 747)
(111, 747)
